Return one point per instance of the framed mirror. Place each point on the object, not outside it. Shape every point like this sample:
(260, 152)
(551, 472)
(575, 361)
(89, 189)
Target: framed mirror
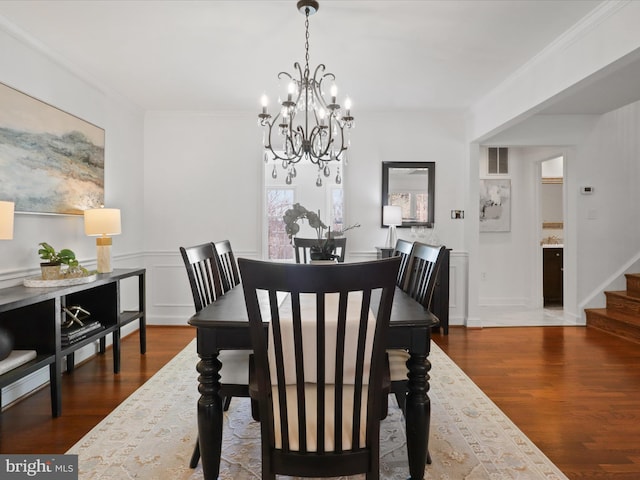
(410, 185)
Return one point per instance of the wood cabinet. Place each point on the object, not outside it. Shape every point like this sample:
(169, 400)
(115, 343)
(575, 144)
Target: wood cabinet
(552, 269)
(34, 317)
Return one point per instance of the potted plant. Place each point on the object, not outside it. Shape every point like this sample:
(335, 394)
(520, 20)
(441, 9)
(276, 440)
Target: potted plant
(51, 268)
(326, 244)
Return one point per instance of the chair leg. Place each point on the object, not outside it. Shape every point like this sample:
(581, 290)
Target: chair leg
(401, 398)
(195, 456)
(428, 458)
(226, 403)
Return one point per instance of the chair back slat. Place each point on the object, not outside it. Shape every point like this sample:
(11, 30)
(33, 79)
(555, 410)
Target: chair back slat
(423, 269)
(203, 271)
(303, 246)
(403, 250)
(319, 366)
(228, 265)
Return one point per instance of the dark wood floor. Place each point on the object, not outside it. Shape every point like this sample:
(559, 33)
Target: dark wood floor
(89, 394)
(575, 392)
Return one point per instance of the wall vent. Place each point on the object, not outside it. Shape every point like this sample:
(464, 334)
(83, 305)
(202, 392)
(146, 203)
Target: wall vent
(498, 161)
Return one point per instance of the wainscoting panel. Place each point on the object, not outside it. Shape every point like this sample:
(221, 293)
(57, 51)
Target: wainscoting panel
(169, 299)
(458, 277)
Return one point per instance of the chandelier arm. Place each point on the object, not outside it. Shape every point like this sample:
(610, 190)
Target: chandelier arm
(316, 85)
(334, 139)
(285, 74)
(270, 124)
(299, 82)
(269, 145)
(318, 155)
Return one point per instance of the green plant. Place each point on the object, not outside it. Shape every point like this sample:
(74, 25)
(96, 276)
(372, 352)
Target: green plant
(64, 256)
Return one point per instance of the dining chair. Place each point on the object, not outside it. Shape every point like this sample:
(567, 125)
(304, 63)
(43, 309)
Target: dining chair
(207, 284)
(403, 250)
(303, 248)
(228, 265)
(319, 372)
(422, 271)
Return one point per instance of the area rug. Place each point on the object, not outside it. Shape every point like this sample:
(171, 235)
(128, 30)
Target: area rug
(151, 435)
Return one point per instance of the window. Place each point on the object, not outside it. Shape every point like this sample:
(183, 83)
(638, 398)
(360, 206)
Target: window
(337, 209)
(279, 197)
(278, 201)
(498, 161)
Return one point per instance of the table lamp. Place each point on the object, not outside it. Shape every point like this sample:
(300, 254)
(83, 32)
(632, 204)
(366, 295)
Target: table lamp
(6, 233)
(6, 220)
(101, 222)
(391, 216)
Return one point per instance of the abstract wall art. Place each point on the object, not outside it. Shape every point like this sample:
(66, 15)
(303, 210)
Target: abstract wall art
(50, 161)
(495, 205)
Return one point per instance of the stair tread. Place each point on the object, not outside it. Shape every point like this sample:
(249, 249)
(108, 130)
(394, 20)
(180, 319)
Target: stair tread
(616, 323)
(615, 315)
(623, 294)
(626, 298)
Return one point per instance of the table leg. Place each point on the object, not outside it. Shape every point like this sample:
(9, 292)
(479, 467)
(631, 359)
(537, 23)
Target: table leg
(209, 415)
(418, 414)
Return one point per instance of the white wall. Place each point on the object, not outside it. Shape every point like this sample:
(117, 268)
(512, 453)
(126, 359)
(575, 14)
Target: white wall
(604, 37)
(32, 71)
(608, 221)
(431, 136)
(602, 230)
(606, 40)
(504, 257)
(203, 182)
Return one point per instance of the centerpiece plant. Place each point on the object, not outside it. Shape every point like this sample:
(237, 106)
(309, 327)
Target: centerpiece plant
(54, 259)
(326, 243)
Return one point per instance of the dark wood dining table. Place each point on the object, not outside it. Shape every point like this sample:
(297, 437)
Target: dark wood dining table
(224, 325)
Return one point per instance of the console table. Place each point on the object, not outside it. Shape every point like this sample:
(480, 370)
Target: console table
(34, 316)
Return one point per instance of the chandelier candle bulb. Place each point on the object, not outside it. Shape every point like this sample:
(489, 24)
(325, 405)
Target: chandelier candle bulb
(265, 101)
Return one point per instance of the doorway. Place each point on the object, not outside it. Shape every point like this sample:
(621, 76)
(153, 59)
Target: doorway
(552, 237)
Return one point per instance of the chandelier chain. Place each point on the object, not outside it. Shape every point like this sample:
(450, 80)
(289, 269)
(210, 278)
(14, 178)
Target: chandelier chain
(306, 43)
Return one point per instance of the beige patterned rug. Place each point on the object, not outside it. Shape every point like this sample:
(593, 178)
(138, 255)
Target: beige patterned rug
(151, 434)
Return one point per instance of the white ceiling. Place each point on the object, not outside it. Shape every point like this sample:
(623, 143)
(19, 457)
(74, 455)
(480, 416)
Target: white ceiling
(222, 55)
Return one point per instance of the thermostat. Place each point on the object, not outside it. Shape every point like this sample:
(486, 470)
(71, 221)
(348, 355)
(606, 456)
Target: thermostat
(586, 190)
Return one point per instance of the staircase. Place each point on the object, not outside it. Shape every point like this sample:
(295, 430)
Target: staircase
(621, 317)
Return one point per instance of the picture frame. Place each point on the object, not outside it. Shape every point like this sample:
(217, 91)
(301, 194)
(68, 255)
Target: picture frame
(495, 205)
(51, 161)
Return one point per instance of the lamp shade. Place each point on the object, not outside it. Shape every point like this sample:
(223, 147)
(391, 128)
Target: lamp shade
(6, 220)
(102, 221)
(392, 215)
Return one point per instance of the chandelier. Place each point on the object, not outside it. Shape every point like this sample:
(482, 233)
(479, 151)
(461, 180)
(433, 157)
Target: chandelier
(308, 125)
